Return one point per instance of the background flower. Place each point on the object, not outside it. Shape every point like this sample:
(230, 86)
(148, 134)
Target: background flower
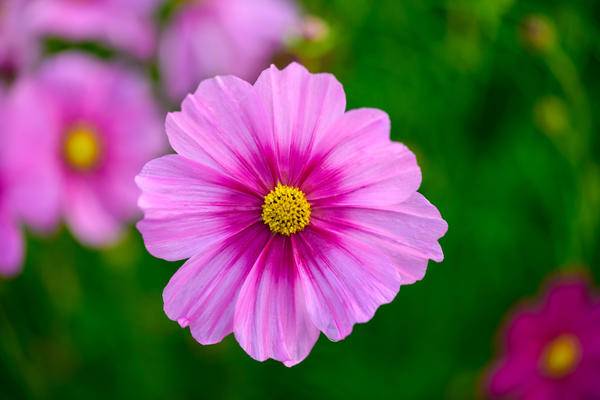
(94, 125)
(124, 24)
(11, 242)
(18, 48)
(552, 351)
(357, 228)
(211, 37)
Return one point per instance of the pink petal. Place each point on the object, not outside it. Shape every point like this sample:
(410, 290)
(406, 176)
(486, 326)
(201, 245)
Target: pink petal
(271, 320)
(357, 164)
(116, 189)
(584, 381)
(365, 177)
(218, 127)
(588, 332)
(513, 376)
(256, 30)
(300, 107)
(182, 51)
(407, 232)
(189, 207)
(410, 265)
(11, 246)
(344, 280)
(208, 38)
(37, 196)
(547, 391)
(355, 129)
(125, 25)
(568, 303)
(29, 157)
(526, 330)
(203, 292)
(87, 217)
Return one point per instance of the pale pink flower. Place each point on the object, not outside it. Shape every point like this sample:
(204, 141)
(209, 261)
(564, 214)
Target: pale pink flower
(18, 47)
(297, 217)
(11, 241)
(124, 24)
(92, 125)
(21, 179)
(210, 37)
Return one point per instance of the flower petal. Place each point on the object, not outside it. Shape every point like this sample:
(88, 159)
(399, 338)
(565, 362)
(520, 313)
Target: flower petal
(407, 232)
(271, 320)
(568, 303)
(11, 246)
(355, 129)
(189, 206)
(373, 176)
(583, 383)
(513, 376)
(344, 280)
(29, 160)
(526, 330)
(301, 107)
(126, 26)
(203, 292)
(88, 217)
(218, 127)
(182, 50)
(237, 37)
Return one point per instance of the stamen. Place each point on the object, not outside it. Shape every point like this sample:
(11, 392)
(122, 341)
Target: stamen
(561, 356)
(81, 148)
(286, 210)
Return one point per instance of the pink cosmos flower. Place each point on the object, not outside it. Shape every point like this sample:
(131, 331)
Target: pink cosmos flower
(20, 176)
(124, 24)
(18, 48)
(210, 37)
(296, 216)
(92, 126)
(552, 351)
(11, 242)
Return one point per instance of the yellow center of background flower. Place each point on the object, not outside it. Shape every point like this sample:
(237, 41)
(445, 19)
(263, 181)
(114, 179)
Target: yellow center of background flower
(561, 356)
(286, 210)
(82, 148)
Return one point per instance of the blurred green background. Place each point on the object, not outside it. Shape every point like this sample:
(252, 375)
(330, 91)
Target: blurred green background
(498, 98)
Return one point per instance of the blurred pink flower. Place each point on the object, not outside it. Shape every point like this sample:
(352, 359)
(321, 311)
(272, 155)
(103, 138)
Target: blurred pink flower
(296, 216)
(552, 351)
(18, 47)
(124, 24)
(20, 176)
(210, 37)
(92, 126)
(11, 242)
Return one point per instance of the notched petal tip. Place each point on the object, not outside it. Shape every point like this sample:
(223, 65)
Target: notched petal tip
(183, 322)
(292, 363)
(296, 69)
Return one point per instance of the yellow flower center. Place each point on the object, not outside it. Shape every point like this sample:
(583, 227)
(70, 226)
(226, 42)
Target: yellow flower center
(81, 147)
(561, 356)
(286, 210)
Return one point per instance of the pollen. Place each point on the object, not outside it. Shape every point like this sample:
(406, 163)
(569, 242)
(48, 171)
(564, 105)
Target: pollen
(561, 356)
(286, 210)
(81, 148)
